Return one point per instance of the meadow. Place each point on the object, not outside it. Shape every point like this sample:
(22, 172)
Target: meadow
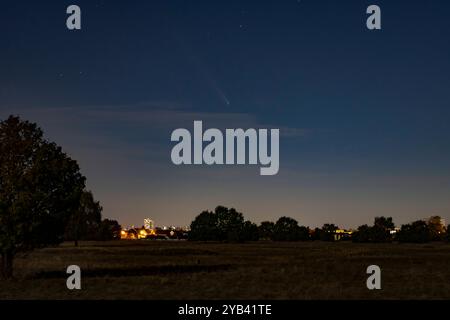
(257, 270)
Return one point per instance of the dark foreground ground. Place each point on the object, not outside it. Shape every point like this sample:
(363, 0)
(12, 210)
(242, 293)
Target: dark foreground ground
(265, 270)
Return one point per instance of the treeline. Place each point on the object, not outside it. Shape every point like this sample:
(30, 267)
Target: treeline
(420, 231)
(229, 225)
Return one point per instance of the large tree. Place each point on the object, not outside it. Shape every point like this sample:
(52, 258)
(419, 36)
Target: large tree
(287, 229)
(40, 187)
(223, 224)
(384, 223)
(204, 227)
(230, 223)
(85, 222)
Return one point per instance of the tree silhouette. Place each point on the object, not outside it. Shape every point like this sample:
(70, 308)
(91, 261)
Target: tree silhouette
(250, 231)
(109, 230)
(265, 230)
(417, 232)
(204, 227)
(385, 223)
(287, 229)
(304, 233)
(40, 187)
(379, 232)
(437, 228)
(223, 224)
(328, 231)
(230, 223)
(84, 223)
(316, 234)
(363, 234)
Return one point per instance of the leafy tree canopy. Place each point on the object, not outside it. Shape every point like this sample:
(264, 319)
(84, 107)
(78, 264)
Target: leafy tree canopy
(40, 187)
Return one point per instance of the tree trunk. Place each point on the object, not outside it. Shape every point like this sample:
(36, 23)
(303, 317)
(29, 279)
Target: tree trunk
(7, 264)
(77, 234)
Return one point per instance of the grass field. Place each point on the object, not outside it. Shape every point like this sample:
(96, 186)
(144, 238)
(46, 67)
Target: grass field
(263, 270)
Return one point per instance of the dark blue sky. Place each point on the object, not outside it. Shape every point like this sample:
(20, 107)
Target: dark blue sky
(364, 115)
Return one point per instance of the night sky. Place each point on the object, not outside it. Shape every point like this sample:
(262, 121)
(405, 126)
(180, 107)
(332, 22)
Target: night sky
(364, 115)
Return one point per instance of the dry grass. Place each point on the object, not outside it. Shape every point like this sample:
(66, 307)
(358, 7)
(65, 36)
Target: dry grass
(264, 270)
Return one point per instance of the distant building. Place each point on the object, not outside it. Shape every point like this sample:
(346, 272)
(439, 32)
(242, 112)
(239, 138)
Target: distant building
(129, 234)
(394, 231)
(341, 234)
(149, 224)
(150, 231)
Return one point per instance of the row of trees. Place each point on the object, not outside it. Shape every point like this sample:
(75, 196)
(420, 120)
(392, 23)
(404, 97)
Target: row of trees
(416, 232)
(379, 232)
(288, 229)
(225, 224)
(43, 199)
